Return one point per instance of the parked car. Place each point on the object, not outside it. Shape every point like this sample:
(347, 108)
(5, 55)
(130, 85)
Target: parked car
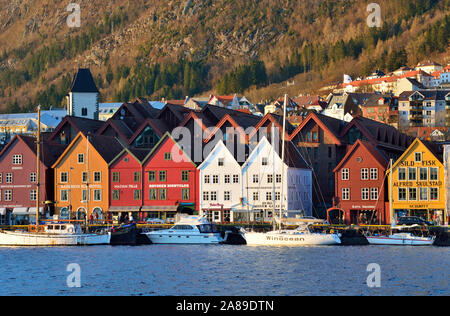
(412, 220)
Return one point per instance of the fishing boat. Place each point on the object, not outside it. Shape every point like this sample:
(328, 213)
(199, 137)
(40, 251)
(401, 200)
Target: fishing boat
(302, 236)
(53, 233)
(401, 239)
(188, 230)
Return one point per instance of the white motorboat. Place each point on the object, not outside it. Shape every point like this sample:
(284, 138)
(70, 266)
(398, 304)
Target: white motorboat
(302, 236)
(401, 239)
(53, 235)
(189, 230)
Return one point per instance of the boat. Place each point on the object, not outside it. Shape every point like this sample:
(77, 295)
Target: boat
(401, 239)
(302, 236)
(124, 234)
(53, 234)
(188, 230)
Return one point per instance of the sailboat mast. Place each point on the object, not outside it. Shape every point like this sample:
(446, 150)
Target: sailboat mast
(391, 211)
(273, 173)
(282, 158)
(38, 163)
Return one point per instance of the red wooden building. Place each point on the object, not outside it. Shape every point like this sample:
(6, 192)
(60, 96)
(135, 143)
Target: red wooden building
(18, 179)
(170, 181)
(360, 187)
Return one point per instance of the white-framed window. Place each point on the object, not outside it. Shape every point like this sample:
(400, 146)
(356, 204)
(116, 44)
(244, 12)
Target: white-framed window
(213, 196)
(215, 179)
(221, 162)
(364, 174)
(207, 179)
(423, 174)
(278, 178)
(33, 177)
(418, 157)
(374, 194)
(84, 177)
(97, 176)
(434, 174)
(364, 194)
(63, 177)
(423, 194)
(412, 174)
(227, 178)
(345, 174)
(264, 161)
(402, 194)
(33, 195)
(255, 178)
(255, 196)
(97, 195)
(270, 178)
(373, 173)
(205, 196)
(9, 178)
(268, 196)
(235, 178)
(401, 174)
(346, 194)
(64, 195)
(434, 194)
(84, 195)
(8, 195)
(80, 158)
(413, 194)
(17, 159)
(1, 177)
(277, 196)
(227, 196)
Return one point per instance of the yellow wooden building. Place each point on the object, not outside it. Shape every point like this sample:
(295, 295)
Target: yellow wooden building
(418, 186)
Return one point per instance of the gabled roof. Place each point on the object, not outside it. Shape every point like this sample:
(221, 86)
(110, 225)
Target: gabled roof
(377, 155)
(80, 124)
(213, 153)
(83, 82)
(275, 119)
(333, 127)
(156, 124)
(136, 153)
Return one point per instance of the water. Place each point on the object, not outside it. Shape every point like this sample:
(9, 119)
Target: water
(224, 270)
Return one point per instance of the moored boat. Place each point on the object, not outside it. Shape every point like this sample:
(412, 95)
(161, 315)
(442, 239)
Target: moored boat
(401, 239)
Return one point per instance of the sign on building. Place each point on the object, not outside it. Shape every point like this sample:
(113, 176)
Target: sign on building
(447, 181)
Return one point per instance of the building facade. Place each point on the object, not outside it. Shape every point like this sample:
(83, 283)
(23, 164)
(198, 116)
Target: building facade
(447, 181)
(418, 185)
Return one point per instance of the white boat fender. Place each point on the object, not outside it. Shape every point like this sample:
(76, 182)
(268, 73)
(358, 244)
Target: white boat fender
(70, 230)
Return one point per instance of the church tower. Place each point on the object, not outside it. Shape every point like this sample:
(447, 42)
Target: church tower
(82, 100)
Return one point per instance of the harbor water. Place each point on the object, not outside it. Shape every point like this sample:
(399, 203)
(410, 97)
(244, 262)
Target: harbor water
(224, 270)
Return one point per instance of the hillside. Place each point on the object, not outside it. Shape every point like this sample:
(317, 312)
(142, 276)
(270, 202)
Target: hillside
(163, 48)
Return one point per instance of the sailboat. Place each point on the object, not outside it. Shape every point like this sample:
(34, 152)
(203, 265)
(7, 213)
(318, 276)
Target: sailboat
(51, 233)
(399, 239)
(302, 236)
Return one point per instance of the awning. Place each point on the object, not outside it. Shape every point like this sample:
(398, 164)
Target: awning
(163, 208)
(3, 211)
(32, 210)
(20, 211)
(124, 208)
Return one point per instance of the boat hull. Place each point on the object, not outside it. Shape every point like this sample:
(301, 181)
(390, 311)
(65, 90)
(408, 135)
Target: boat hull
(398, 241)
(180, 238)
(277, 239)
(32, 239)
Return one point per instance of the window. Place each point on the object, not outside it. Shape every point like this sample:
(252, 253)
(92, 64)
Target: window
(163, 194)
(85, 177)
(268, 196)
(373, 174)
(402, 194)
(1, 177)
(33, 195)
(205, 196)
(236, 178)
(434, 174)
(185, 176)
(80, 158)
(255, 196)
(364, 174)
(423, 174)
(17, 159)
(213, 196)
(84, 196)
(185, 196)
(346, 194)
(167, 156)
(84, 112)
(277, 196)
(255, 178)
(63, 177)
(9, 178)
(137, 177)
(278, 178)
(374, 194)
(434, 194)
(33, 177)
(345, 174)
(418, 157)
(163, 176)
(153, 195)
(265, 161)
(64, 195)
(364, 194)
(97, 176)
(413, 194)
(221, 162)
(227, 196)
(207, 178)
(401, 174)
(227, 178)
(412, 174)
(116, 177)
(270, 178)
(116, 195)
(423, 194)
(137, 195)
(215, 179)
(152, 176)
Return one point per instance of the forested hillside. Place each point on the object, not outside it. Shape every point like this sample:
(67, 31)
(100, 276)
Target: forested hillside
(171, 49)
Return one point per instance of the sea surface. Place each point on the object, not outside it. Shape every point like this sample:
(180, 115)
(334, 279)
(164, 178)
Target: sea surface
(224, 270)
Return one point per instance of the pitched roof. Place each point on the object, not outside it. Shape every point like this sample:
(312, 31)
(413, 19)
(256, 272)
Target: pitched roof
(375, 153)
(83, 82)
(107, 147)
(80, 124)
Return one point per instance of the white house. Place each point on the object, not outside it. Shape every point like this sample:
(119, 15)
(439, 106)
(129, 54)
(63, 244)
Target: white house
(82, 100)
(264, 179)
(220, 184)
(447, 179)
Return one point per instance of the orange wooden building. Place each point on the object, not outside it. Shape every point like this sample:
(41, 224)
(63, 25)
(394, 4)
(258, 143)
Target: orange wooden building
(82, 176)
